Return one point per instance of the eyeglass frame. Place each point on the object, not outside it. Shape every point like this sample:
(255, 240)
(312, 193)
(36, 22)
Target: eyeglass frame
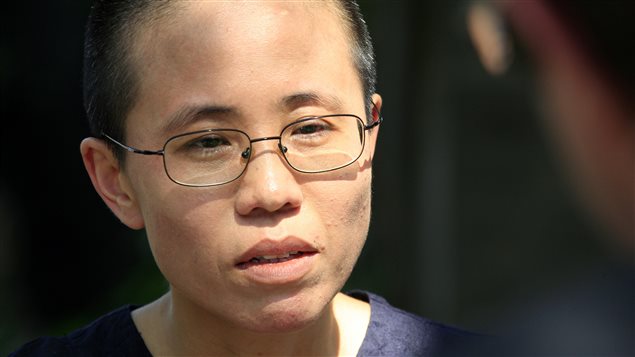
(246, 154)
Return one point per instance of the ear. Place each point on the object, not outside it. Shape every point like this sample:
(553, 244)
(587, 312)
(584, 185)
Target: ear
(110, 182)
(374, 132)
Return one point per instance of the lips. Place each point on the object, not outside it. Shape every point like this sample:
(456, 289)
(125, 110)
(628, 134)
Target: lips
(277, 262)
(273, 251)
(270, 259)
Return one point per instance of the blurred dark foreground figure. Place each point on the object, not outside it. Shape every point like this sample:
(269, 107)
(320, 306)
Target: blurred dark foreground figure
(584, 56)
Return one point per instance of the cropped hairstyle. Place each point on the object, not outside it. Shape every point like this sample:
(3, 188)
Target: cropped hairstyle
(111, 83)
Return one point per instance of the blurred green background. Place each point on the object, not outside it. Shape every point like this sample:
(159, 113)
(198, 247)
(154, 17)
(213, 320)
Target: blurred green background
(471, 212)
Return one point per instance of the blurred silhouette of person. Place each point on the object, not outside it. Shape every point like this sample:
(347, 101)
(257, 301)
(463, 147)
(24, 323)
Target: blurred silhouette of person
(584, 56)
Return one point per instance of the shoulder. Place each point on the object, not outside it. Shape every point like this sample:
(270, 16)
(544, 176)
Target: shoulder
(394, 332)
(113, 334)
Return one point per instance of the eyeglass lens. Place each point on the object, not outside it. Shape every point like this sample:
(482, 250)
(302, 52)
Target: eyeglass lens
(311, 145)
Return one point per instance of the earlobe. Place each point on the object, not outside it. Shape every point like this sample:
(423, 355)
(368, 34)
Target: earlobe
(109, 182)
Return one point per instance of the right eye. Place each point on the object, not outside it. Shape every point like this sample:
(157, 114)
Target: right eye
(207, 146)
(208, 142)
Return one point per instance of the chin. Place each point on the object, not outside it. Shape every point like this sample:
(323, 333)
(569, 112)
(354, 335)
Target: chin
(290, 321)
(287, 315)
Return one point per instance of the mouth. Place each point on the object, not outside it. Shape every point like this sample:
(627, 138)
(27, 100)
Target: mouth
(275, 262)
(273, 259)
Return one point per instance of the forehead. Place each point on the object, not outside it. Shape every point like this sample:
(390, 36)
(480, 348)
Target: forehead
(222, 23)
(223, 53)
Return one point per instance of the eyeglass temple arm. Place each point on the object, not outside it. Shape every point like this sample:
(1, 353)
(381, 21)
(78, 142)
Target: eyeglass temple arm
(131, 149)
(376, 122)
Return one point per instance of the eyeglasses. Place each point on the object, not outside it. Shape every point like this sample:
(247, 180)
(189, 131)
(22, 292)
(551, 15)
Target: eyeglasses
(214, 157)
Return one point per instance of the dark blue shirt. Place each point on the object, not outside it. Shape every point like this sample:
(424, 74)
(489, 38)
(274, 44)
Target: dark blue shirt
(391, 332)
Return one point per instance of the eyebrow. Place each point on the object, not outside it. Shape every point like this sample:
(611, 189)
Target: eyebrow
(189, 114)
(297, 100)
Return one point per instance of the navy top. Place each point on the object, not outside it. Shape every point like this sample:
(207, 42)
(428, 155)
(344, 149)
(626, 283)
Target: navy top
(391, 332)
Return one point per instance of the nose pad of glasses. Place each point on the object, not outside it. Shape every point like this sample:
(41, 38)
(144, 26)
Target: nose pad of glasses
(246, 154)
(283, 148)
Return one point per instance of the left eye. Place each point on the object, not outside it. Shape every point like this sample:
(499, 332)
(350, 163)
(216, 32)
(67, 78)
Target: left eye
(310, 127)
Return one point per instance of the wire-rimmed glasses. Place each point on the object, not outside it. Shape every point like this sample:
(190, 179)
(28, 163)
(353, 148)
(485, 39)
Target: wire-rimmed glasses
(213, 157)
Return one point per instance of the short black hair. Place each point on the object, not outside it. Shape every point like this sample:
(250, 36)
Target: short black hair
(362, 48)
(111, 83)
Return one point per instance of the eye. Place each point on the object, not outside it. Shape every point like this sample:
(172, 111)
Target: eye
(210, 145)
(208, 142)
(310, 127)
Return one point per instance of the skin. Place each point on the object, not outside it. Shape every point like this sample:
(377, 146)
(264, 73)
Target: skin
(251, 59)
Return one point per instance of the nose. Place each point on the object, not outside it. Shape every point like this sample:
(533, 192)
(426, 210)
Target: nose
(268, 184)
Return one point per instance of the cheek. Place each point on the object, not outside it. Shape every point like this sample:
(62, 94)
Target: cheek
(348, 210)
(348, 200)
(170, 234)
(346, 217)
(182, 224)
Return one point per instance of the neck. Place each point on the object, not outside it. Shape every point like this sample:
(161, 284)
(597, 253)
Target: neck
(171, 327)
